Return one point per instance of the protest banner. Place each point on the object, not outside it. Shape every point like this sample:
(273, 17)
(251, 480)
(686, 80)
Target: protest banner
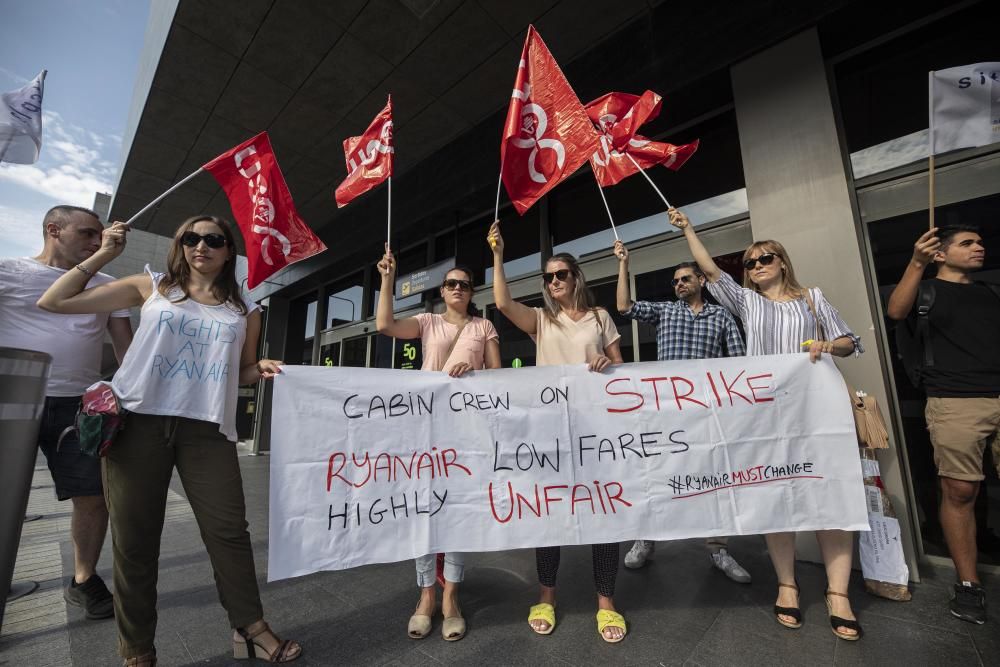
(375, 465)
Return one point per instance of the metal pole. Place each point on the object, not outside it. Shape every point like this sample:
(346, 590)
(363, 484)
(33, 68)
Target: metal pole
(649, 179)
(388, 228)
(930, 137)
(23, 378)
(160, 198)
(606, 208)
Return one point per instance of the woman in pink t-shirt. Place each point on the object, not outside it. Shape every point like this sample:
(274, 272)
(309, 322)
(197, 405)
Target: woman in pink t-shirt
(456, 342)
(570, 329)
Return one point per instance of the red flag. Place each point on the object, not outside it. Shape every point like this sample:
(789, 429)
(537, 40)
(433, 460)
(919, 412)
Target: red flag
(368, 158)
(274, 234)
(618, 116)
(631, 112)
(547, 135)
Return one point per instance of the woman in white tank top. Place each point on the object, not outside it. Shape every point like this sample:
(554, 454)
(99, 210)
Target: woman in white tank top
(455, 342)
(195, 345)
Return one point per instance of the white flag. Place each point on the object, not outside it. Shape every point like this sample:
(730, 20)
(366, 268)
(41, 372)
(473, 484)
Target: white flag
(21, 123)
(965, 107)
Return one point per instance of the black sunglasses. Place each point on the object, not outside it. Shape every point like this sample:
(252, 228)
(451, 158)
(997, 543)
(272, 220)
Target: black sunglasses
(765, 260)
(682, 279)
(192, 239)
(452, 283)
(561, 274)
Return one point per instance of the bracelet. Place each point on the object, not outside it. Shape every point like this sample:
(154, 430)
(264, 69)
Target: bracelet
(85, 269)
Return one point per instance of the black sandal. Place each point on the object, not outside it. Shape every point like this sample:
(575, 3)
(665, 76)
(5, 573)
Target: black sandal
(838, 622)
(248, 648)
(794, 612)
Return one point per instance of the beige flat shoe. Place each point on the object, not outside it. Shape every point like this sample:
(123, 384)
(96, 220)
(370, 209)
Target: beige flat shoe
(419, 626)
(453, 628)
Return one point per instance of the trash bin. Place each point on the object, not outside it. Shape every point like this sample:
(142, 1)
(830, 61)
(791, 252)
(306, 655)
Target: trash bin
(23, 376)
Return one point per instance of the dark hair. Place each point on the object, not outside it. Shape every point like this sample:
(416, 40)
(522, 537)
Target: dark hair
(690, 265)
(948, 232)
(59, 215)
(225, 288)
(471, 309)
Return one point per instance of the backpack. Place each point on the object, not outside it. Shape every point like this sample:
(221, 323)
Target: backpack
(913, 335)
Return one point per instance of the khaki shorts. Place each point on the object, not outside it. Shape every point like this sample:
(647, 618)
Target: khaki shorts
(960, 429)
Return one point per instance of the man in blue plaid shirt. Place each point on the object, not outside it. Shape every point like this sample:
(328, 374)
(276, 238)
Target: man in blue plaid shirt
(687, 328)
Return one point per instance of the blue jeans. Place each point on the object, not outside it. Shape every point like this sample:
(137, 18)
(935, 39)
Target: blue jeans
(454, 568)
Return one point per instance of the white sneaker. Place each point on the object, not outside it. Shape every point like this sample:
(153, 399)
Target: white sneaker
(728, 565)
(637, 555)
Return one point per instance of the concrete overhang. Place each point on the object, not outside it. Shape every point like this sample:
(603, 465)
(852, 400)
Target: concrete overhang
(312, 73)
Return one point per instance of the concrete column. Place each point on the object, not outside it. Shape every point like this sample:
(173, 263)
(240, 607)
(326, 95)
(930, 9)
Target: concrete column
(798, 192)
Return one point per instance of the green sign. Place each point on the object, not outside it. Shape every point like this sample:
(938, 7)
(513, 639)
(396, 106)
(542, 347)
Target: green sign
(517, 363)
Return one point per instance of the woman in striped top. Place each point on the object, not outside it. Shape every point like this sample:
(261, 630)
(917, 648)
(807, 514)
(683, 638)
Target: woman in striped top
(777, 315)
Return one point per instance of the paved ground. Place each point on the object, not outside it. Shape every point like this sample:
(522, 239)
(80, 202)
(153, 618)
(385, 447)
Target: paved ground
(680, 610)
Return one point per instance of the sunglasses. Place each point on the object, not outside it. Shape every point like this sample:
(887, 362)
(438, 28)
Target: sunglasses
(683, 279)
(452, 283)
(765, 260)
(192, 239)
(561, 274)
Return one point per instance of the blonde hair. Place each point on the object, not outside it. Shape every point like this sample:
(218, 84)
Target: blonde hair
(582, 297)
(789, 284)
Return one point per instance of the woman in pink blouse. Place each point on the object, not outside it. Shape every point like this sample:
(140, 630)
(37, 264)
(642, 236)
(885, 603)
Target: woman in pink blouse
(455, 342)
(570, 329)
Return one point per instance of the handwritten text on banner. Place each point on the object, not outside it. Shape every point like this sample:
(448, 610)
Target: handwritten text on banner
(373, 466)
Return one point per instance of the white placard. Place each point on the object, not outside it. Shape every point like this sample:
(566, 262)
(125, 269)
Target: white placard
(374, 466)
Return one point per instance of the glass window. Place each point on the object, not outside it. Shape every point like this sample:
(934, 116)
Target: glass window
(408, 260)
(516, 347)
(356, 352)
(883, 91)
(380, 352)
(329, 355)
(343, 301)
(301, 328)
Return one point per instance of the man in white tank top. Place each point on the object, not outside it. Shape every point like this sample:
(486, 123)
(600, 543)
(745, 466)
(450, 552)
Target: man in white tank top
(72, 234)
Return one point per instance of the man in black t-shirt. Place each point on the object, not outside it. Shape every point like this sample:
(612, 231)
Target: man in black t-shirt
(963, 388)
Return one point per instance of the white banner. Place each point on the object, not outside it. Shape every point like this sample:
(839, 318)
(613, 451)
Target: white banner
(965, 107)
(375, 466)
(21, 122)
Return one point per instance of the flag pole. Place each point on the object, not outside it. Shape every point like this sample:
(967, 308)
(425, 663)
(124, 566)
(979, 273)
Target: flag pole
(930, 137)
(388, 223)
(605, 200)
(643, 171)
(496, 210)
(161, 197)
(3, 150)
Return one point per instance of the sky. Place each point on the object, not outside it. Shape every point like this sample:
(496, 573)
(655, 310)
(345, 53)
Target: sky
(91, 51)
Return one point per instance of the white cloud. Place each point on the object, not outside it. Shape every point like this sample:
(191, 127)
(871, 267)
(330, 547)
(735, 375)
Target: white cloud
(14, 75)
(71, 168)
(20, 232)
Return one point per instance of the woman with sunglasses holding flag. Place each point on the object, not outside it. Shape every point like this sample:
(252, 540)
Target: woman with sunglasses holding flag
(455, 342)
(780, 317)
(195, 345)
(569, 329)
